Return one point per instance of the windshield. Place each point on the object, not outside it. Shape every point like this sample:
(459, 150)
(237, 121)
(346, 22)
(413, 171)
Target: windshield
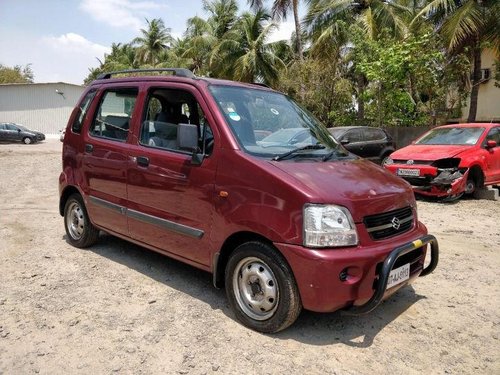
(252, 111)
(451, 136)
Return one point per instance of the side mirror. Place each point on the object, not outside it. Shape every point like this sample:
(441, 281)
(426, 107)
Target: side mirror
(491, 144)
(187, 139)
(19, 130)
(344, 141)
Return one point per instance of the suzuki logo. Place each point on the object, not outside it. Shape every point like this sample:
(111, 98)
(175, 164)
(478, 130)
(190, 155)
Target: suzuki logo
(410, 162)
(395, 223)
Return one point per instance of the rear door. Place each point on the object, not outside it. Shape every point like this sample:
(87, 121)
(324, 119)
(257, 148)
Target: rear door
(105, 158)
(13, 133)
(374, 140)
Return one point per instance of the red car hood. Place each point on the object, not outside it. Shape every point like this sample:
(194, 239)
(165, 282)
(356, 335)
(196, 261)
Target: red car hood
(428, 152)
(361, 186)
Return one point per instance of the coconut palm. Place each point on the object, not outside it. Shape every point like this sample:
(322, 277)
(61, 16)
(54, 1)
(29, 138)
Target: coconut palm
(244, 55)
(280, 11)
(153, 41)
(467, 25)
(202, 36)
(373, 15)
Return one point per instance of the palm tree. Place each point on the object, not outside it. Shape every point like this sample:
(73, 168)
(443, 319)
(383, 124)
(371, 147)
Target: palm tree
(372, 15)
(244, 55)
(467, 25)
(153, 41)
(280, 11)
(203, 35)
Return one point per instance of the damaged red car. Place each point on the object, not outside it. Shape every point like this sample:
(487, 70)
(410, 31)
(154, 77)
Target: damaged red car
(449, 161)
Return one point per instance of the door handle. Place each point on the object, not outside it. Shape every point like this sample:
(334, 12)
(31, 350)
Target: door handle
(89, 148)
(143, 161)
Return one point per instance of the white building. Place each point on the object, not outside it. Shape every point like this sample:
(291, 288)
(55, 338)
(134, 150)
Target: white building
(488, 103)
(45, 107)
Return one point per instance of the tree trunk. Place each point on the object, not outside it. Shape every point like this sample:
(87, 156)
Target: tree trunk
(298, 31)
(476, 80)
(360, 80)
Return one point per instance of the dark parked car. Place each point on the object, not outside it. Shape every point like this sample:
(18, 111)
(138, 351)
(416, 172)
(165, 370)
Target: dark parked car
(10, 132)
(371, 143)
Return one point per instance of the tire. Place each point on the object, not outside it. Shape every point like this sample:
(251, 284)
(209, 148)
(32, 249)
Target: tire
(470, 186)
(261, 288)
(27, 140)
(79, 230)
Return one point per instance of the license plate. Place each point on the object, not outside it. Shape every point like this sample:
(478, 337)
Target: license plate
(409, 172)
(398, 275)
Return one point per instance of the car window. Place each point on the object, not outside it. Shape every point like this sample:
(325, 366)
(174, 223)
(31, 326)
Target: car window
(114, 114)
(76, 127)
(2, 126)
(247, 110)
(494, 135)
(354, 135)
(451, 136)
(165, 110)
(373, 134)
(12, 127)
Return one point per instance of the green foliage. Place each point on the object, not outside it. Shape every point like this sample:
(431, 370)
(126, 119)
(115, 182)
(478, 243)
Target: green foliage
(17, 74)
(409, 79)
(322, 90)
(366, 62)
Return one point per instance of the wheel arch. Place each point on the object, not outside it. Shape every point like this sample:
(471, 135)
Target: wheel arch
(476, 173)
(67, 192)
(221, 258)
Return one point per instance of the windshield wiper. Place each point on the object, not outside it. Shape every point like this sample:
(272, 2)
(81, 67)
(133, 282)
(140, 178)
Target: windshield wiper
(294, 151)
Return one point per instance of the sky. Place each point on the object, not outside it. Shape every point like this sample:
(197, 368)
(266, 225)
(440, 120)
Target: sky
(62, 39)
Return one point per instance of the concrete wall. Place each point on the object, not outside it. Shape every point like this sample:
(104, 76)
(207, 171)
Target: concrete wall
(38, 106)
(488, 104)
(403, 136)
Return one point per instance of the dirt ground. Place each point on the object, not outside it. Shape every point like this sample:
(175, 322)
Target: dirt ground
(117, 308)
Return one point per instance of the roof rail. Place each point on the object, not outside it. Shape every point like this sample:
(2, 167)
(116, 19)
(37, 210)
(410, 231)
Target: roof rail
(181, 72)
(261, 84)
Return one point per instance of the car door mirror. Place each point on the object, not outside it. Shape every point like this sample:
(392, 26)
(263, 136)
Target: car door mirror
(345, 141)
(491, 144)
(187, 139)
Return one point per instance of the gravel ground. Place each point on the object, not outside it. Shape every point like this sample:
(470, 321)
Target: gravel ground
(117, 308)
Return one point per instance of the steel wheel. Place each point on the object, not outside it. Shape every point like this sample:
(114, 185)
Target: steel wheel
(261, 288)
(79, 230)
(75, 221)
(255, 288)
(470, 186)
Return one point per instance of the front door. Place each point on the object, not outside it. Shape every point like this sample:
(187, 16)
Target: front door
(170, 199)
(492, 174)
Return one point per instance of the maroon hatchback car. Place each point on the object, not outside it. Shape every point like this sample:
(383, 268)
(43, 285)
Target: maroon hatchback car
(172, 163)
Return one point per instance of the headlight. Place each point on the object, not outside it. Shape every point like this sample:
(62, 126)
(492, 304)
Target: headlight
(328, 226)
(387, 161)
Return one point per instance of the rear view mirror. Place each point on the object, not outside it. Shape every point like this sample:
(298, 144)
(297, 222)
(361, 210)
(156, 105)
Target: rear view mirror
(187, 139)
(491, 144)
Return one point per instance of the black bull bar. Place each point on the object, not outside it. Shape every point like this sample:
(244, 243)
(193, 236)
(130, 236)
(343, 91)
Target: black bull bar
(387, 267)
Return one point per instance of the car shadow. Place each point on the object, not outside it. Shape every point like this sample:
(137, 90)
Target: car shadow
(311, 328)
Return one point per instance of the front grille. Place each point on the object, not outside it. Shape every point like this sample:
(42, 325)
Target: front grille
(389, 224)
(415, 162)
(414, 257)
(419, 181)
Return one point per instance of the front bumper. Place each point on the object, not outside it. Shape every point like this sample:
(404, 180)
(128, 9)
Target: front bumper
(432, 181)
(356, 278)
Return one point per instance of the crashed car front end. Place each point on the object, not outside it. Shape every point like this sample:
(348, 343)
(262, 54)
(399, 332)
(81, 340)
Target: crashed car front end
(439, 178)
